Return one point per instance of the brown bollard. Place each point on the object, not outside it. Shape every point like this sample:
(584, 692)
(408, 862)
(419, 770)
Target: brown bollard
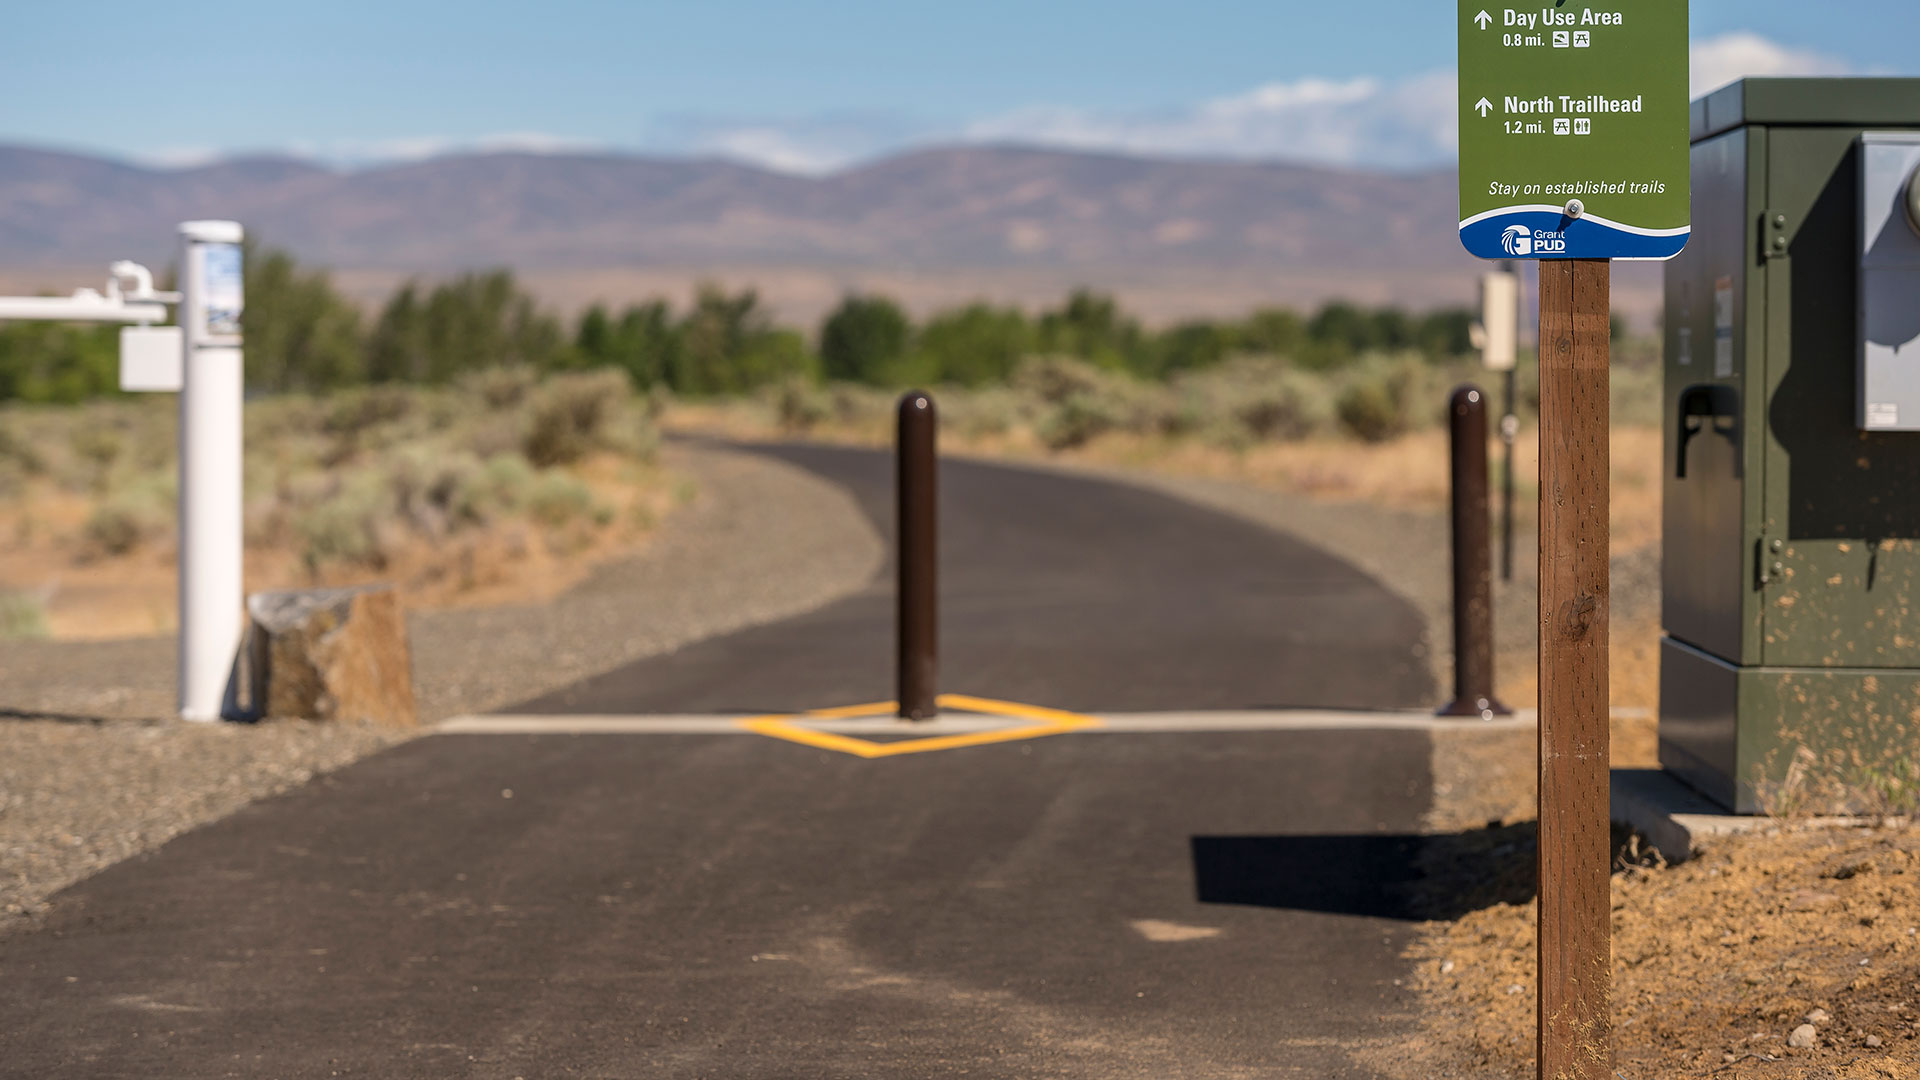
(918, 618)
(1472, 561)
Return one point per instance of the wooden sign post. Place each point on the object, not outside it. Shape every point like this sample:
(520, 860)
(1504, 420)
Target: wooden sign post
(1573, 152)
(1575, 1023)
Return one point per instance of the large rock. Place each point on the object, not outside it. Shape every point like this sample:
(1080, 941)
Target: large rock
(331, 654)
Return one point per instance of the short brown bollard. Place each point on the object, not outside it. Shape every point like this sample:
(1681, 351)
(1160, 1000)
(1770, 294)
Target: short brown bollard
(1472, 561)
(918, 615)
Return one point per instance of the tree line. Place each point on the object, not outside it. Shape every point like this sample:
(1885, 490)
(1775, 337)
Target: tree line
(303, 335)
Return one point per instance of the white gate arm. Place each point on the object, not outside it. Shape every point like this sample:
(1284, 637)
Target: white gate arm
(141, 305)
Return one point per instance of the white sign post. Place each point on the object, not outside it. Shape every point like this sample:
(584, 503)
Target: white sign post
(200, 358)
(211, 591)
(1497, 336)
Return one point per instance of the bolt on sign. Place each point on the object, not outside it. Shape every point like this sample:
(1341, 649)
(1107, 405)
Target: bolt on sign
(1573, 129)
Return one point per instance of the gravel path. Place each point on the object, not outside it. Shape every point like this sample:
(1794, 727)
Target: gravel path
(93, 769)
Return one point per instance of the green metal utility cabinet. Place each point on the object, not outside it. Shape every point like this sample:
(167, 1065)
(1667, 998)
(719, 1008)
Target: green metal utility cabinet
(1790, 666)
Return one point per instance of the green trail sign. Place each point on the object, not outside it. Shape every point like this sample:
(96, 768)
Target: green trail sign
(1573, 129)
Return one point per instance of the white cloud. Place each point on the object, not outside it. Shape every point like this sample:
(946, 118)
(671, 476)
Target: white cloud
(1355, 121)
(421, 147)
(809, 146)
(772, 148)
(386, 151)
(181, 157)
(1718, 61)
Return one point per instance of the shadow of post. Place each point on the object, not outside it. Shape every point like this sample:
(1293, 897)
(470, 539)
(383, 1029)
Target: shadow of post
(1382, 876)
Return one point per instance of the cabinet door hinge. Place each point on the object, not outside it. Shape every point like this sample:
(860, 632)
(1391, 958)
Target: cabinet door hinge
(1774, 238)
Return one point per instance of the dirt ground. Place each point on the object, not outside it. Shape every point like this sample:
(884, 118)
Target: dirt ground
(1716, 961)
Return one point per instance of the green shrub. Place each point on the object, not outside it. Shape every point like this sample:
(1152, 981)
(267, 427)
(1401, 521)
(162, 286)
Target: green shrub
(575, 415)
(426, 487)
(1054, 379)
(1376, 403)
(974, 345)
(863, 338)
(499, 487)
(354, 412)
(120, 524)
(346, 526)
(991, 410)
(501, 388)
(558, 499)
(1291, 405)
(800, 405)
(21, 616)
(1249, 399)
(17, 452)
(1078, 421)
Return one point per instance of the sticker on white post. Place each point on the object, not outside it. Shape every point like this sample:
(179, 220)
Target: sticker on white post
(222, 292)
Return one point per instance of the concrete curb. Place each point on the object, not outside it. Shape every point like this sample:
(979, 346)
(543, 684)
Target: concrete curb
(1680, 822)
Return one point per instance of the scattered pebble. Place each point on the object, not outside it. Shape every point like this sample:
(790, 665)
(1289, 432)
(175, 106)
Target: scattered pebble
(1803, 1037)
(1873, 1042)
(1817, 1016)
(1446, 967)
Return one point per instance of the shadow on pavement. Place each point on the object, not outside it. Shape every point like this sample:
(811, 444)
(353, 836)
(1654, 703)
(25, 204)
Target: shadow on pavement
(1385, 876)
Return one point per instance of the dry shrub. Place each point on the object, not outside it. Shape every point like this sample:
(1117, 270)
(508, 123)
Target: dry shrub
(1377, 402)
(1083, 401)
(127, 519)
(501, 389)
(1250, 399)
(22, 616)
(574, 415)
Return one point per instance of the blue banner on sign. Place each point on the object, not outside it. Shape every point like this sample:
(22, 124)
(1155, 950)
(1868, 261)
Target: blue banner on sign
(1541, 231)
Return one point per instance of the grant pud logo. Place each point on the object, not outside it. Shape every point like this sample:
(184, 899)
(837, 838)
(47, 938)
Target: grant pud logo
(1521, 241)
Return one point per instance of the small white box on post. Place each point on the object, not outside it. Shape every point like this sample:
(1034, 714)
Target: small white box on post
(1498, 331)
(212, 596)
(150, 359)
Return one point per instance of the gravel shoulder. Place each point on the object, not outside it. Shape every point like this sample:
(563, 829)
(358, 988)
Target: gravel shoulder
(94, 769)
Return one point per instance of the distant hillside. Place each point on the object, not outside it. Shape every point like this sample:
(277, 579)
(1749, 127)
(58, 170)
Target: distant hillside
(936, 226)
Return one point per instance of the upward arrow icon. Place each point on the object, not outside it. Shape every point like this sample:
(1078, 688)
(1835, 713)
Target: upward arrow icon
(1483, 105)
(1483, 18)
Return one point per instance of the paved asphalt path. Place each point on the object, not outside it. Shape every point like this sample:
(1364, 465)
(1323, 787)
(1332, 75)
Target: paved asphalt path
(676, 905)
(1063, 591)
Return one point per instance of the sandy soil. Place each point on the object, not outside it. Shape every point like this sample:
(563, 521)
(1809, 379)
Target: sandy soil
(1715, 962)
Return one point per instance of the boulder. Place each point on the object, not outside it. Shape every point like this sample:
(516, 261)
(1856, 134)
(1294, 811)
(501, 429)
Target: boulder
(332, 655)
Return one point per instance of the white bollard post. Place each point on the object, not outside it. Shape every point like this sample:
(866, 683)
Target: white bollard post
(211, 592)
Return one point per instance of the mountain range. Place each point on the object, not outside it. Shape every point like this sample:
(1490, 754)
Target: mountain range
(1173, 237)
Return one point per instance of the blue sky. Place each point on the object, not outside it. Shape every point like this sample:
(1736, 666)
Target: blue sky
(808, 86)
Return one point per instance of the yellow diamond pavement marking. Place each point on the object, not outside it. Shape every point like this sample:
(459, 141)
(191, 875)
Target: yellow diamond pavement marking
(1045, 721)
